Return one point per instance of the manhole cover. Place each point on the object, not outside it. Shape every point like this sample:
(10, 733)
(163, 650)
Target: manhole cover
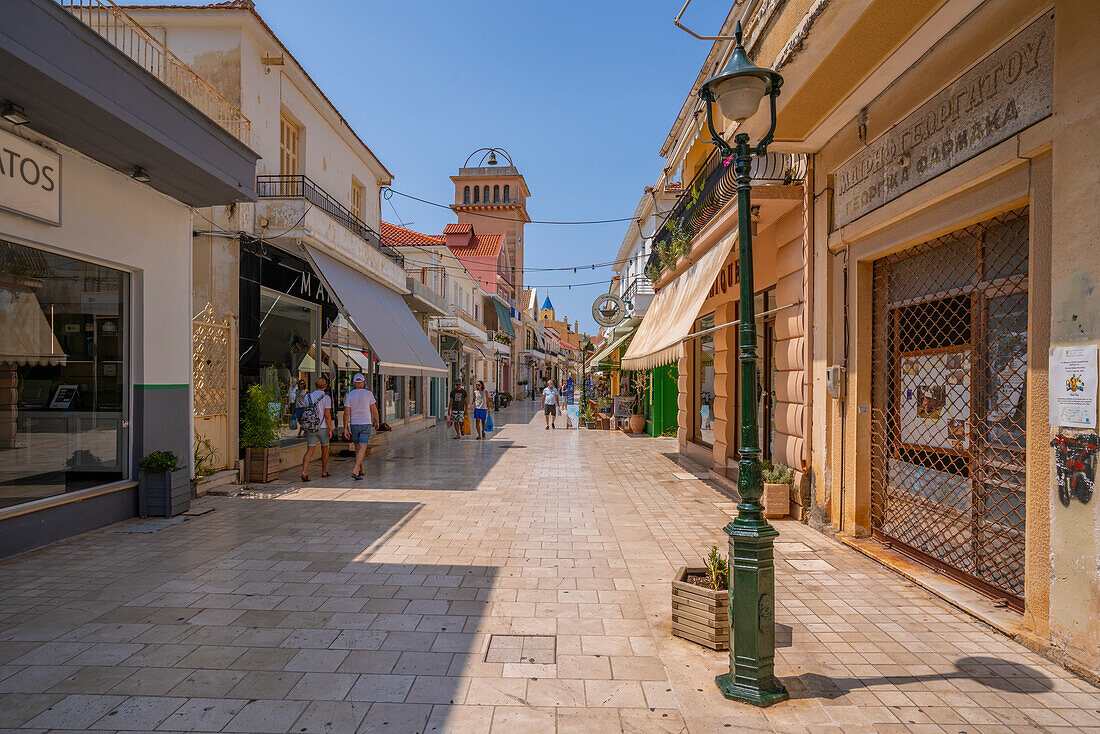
(536, 649)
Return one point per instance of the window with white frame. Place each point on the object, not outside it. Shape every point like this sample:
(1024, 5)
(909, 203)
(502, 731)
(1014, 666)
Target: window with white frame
(289, 137)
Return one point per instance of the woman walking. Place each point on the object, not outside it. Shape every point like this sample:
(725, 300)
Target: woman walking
(481, 408)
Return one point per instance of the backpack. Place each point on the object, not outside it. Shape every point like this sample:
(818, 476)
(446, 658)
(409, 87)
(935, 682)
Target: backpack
(311, 417)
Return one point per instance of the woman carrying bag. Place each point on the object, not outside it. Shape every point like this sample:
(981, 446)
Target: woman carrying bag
(481, 408)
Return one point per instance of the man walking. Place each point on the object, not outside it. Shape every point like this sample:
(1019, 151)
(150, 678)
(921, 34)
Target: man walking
(551, 399)
(458, 408)
(316, 422)
(360, 413)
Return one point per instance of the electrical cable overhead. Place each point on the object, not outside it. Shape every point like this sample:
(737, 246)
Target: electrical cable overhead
(388, 191)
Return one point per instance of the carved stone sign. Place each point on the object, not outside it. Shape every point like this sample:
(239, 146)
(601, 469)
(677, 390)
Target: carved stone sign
(1006, 92)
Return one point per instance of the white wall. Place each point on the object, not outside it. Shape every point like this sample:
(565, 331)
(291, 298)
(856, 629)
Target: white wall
(109, 218)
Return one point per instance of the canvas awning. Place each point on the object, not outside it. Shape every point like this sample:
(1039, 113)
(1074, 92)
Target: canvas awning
(381, 318)
(26, 337)
(504, 319)
(659, 339)
(610, 349)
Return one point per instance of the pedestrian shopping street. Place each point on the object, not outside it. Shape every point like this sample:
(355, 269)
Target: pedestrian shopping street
(517, 584)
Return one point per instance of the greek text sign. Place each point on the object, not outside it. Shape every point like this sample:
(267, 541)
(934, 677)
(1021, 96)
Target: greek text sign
(1006, 92)
(1073, 379)
(30, 179)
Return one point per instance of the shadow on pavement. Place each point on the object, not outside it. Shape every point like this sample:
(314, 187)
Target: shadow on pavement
(995, 673)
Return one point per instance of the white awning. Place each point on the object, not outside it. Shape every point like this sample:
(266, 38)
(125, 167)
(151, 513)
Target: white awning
(26, 337)
(381, 317)
(669, 318)
(610, 349)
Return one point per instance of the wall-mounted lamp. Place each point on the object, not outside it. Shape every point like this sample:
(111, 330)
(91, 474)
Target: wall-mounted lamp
(14, 114)
(140, 174)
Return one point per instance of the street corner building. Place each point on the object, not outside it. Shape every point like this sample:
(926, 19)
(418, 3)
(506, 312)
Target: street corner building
(102, 163)
(925, 276)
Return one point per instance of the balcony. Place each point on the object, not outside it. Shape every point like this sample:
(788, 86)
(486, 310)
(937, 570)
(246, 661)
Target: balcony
(129, 37)
(298, 186)
(709, 192)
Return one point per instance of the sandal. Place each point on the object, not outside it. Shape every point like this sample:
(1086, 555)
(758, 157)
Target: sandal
(303, 477)
(325, 474)
(357, 476)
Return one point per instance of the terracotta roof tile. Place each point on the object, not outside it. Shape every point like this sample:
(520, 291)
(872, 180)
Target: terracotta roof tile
(484, 245)
(401, 237)
(458, 228)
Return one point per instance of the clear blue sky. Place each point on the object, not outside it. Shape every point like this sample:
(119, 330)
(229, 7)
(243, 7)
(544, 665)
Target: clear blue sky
(581, 94)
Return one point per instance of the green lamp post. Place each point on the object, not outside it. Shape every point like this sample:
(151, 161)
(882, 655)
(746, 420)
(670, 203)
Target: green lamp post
(739, 89)
(586, 350)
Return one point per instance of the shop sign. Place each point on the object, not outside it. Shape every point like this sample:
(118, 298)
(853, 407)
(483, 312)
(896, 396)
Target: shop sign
(1005, 93)
(30, 179)
(448, 355)
(727, 278)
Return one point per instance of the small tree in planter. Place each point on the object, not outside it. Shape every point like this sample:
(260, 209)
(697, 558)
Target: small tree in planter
(164, 488)
(700, 602)
(588, 416)
(642, 383)
(259, 435)
(777, 489)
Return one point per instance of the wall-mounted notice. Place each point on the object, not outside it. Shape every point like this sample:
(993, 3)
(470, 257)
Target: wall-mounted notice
(1073, 378)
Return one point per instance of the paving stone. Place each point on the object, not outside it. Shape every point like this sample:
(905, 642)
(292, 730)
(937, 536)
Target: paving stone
(520, 583)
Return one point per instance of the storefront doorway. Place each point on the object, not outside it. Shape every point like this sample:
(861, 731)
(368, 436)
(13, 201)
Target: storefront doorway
(949, 381)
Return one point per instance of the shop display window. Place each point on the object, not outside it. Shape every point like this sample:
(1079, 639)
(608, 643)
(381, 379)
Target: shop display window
(289, 353)
(704, 382)
(416, 396)
(394, 397)
(64, 372)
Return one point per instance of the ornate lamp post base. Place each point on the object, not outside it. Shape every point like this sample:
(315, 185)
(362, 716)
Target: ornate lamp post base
(752, 613)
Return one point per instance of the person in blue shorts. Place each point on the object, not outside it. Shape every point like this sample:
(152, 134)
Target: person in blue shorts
(481, 408)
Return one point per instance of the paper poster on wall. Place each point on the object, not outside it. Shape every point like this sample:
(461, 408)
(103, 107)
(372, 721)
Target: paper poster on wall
(934, 400)
(1073, 378)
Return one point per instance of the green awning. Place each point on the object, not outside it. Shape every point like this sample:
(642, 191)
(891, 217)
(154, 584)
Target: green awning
(504, 318)
(611, 349)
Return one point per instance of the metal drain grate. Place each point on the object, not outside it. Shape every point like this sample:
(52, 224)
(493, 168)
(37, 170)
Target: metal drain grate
(535, 649)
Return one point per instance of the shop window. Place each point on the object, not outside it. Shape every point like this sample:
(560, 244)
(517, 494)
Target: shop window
(704, 382)
(289, 137)
(394, 398)
(289, 358)
(416, 396)
(64, 372)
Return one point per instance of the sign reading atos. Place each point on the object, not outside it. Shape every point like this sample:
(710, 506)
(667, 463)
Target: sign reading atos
(30, 179)
(1009, 90)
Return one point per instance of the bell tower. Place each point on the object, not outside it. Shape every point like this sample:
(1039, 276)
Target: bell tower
(491, 194)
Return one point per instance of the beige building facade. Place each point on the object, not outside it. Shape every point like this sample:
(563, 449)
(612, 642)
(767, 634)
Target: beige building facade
(941, 248)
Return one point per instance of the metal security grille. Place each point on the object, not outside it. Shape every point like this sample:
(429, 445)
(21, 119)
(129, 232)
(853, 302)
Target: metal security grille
(211, 364)
(949, 381)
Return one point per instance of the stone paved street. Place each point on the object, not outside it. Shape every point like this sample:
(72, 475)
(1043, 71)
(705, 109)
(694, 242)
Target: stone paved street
(519, 584)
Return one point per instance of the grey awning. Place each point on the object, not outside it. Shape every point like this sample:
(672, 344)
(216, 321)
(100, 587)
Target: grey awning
(381, 317)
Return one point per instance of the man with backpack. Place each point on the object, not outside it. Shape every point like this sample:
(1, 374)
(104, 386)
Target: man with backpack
(316, 423)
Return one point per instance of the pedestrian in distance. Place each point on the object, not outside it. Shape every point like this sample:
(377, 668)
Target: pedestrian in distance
(360, 413)
(459, 398)
(551, 399)
(481, 408)
(316, 422)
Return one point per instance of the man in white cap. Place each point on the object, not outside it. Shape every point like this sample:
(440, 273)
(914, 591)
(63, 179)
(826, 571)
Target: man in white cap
(360, 413)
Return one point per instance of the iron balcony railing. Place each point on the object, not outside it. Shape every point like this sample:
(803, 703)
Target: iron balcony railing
(640, 286)
(299, 186)
(713, 187)
(129, 37)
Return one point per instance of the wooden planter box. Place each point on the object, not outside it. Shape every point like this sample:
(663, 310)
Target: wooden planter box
(777, 500)
(700, 614)
(164, 495)
(261, 465)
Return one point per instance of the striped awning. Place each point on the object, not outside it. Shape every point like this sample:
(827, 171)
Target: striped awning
(659, 340)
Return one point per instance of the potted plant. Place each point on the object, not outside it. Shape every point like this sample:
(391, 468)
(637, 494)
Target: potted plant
(603, 412)
(259, 435)
(777, 489)
(589, 417)
(700, 602)
(164, 488)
